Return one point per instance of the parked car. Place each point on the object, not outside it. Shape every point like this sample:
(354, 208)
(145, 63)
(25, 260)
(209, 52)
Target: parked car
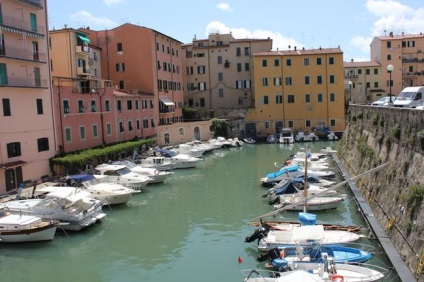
(383, 101)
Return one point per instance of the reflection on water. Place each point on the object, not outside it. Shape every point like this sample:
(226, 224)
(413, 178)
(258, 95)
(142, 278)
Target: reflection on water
(190, 228)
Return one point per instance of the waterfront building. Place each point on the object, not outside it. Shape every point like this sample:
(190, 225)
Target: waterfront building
(27, 139)
(140, 60)
(405, 52)
(218, 71)
(362, 81)
(298, 89)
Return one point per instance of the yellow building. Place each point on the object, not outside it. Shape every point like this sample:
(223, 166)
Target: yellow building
(363, 82)
(405, 52)
(298, 89)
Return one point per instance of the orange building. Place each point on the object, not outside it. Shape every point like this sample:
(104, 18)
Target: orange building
(142, 60)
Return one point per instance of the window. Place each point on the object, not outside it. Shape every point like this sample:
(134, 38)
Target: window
(266, 100)
(375, 84)
(151, 104)
(331, 60)
(201, 69)
(202, 86)
(33, 20)
(277, 81)
(145, 123)
(288, 80)
(319, 79)
(66, 108)
(332, 79)
(265, 81)
(108, 129)
(219, 60)
(332, 122)
(264, 63)
(181, 131)
(107, 105)
(267, 124)
(220, 92)
(359, 71)
(306, 79)
(238, 66)
(144, 104)
(130, 126)
(93, 106)
(202, 102)
(6, 107)
(200, 55)
(375, 71)
(246, 84)
(119, 47)
(238, 51)
(82, 132)
(306, 61)
(3, 74)
(389, 57)
(307, 98)
(129, 105)
(80, 106)
(43, 144)
(120, 67)
(39, 103)
(276, 62)
(240, 101)
(95, 131)
(307, 123)
(68, 134)
(319, 61)
(137, 106)
(332, 97)
(152, 122)
(278, 99)
(389, 44)
(247, 67)
(220, 76)
(291, 123)
(137, 124)
(247, 51)
(13, 149)
(319, 97)
(367, 71)
(121, 84)
(288, 62)
(121, 126)
(290, 99)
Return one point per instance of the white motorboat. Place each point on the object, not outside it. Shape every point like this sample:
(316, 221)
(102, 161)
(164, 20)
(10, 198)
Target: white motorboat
(314, 272)
(156, 162)
(313, 204)
(121, 174)
(286, 172)
(74, 208)
(157, 175)
(289, 234)
(190, 150)
(109, 193)
(17, 228)
(286, 136)
(332, 137)
(205, 146)
(179, 160)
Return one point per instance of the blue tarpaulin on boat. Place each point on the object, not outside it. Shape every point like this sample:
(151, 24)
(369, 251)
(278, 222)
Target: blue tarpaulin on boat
(282, 171)
(307, 218)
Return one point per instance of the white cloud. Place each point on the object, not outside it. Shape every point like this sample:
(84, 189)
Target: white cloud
(278, 40)
(395, 17)
(112, 2)
(84, 18)
(361, 43)
(224, 6)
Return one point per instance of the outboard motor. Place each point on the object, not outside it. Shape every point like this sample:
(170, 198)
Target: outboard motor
(259, 233)
(270, 255)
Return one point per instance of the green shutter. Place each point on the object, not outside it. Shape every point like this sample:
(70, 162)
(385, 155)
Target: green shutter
(33, 19)
(3, 74)
(1, 15)
(37, 77)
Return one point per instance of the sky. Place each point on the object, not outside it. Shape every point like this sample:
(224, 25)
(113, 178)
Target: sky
(348, 24)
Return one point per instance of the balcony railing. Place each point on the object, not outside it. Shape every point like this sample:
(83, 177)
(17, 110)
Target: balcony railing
(83, 71)
(14, 81)
(412, 60)
(20, 24)
(20, 53)
(82, 49)
(347, 76)
(413, 73)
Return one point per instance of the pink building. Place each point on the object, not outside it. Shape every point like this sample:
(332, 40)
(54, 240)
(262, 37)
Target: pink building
(27, 138)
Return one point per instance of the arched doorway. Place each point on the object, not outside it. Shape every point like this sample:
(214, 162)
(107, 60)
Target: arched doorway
(196, 133)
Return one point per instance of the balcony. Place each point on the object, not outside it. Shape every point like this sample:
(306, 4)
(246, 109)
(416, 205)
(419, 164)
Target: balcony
(18, 26)
(412, 74)
(412, 60)
(35, 3)
(83, 71)
(24, 82)
(351, 76)
(83, 50)
(20, 53)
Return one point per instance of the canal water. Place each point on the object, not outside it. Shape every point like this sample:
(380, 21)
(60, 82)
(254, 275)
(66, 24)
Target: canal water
(191, 228)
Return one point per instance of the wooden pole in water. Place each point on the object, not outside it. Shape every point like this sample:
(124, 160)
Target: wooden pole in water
(305, 188)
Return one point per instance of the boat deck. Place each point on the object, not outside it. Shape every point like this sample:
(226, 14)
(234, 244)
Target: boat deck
(402, 269)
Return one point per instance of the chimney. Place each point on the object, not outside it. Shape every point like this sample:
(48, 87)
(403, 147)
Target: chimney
(391, 34)
(295, 48)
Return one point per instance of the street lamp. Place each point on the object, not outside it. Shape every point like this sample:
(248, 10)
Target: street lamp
(350, 92)
(389, 70)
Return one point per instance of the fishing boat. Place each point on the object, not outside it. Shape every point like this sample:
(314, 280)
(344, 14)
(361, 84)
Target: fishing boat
(17, 228)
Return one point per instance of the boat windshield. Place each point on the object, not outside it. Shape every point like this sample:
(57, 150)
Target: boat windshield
(123, 171)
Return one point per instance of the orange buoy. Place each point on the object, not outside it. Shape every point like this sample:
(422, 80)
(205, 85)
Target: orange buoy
(240, 260)
(337, 278)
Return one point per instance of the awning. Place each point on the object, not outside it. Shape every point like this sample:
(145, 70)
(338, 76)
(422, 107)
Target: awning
(83, 38)
(13, 164)
(167, 102)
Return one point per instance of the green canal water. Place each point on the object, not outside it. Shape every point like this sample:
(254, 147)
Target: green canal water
(191, 228)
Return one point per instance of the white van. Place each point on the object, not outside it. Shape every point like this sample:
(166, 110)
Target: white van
(410, 97)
